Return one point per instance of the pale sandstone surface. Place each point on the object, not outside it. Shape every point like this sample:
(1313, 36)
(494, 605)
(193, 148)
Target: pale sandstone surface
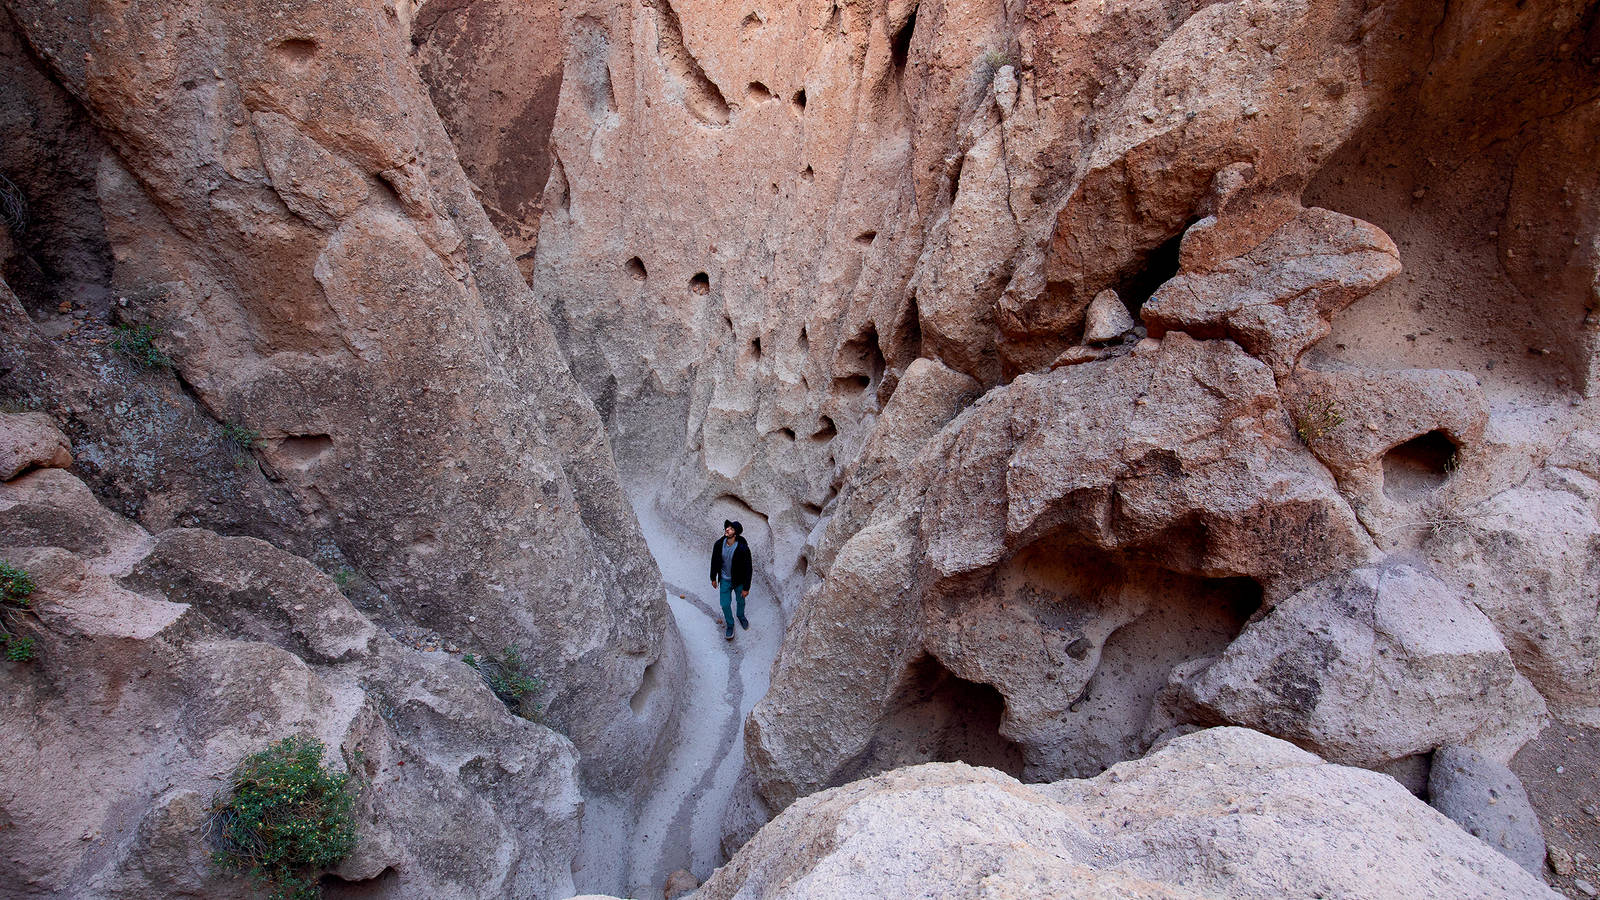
(1226, 812)
(165, 659)
(1488, 801)
(326, 278)
(1372, 666)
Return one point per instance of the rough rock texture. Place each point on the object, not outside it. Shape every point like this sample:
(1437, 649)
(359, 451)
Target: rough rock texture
(1372, 666)
(300, 232)
(1051, 555)
(494, 72)
(165, 659)
(857, 188)
(1487, 800)
(1223, 813)
(28, 440)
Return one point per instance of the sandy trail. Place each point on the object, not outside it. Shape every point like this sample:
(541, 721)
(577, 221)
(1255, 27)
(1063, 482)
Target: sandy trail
(679, 824)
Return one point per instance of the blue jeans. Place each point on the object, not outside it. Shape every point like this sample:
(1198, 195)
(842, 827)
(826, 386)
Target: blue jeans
(728, 594)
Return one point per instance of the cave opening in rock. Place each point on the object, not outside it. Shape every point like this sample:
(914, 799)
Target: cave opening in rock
(861, 363)
(1419, 466)
(900, 48)
(1158, 268)
(758, 92)
(937, 716)
(798, 102)
(866, 237)
(701, 284)
(636, 270)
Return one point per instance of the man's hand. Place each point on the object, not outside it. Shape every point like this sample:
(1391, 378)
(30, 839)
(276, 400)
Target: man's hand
(713, 582)
(745, 592)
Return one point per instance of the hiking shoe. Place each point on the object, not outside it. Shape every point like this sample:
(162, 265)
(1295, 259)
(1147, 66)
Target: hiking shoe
(744, 623)
(727, 635)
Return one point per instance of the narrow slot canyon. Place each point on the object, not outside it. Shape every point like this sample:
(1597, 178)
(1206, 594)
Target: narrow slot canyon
(1164, 436)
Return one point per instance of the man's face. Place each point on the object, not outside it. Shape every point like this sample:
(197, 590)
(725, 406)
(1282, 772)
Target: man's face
(728, 532)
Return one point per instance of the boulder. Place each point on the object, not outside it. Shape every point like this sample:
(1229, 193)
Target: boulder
(1371, 666)
(1106, 319)
(1487, 799)
(1224, 812)
(1279, 298)
(29, 440)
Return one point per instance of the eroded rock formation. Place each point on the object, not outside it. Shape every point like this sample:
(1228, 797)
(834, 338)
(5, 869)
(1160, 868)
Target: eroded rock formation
(281, 203)
(1084, 375)
(165, 659)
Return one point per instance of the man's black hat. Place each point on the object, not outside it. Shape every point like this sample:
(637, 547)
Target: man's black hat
(729, 523)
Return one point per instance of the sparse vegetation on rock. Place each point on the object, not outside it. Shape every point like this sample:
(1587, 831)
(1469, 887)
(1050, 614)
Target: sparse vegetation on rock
(285, 818)
(16, 587)
(138, 343)
(515, 686)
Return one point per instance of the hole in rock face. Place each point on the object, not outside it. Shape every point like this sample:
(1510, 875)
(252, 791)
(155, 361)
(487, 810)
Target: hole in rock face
(295, 54)
(636, 269)
(755, 349)
(900, 50)
(647, 686)
(804, 342)
(807, 174)
(851, 384)
(936, 716)
(860, 360)
(798, 102)
(1417, 467)
(1158, 268)
(812, 510)
(751, 21)
(300, 451)
(866, 237)
(758, 93)
(826, 433)
(788, 433)
(701, 284)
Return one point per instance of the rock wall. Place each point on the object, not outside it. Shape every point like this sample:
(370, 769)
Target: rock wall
(1266, 320)
(282, 204)
(165, 659)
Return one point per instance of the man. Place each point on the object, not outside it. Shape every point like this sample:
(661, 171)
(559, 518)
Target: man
(730, 571)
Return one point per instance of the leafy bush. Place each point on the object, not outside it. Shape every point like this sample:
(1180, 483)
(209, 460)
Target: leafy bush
(515, 687)
(286, 818)
(16, 586)
(137, 342)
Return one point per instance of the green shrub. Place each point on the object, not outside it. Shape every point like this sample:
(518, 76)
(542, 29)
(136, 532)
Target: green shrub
(16, 586)
(242, 436)
(138, 342)
(515, 687)
(344, 576)
(285, 819)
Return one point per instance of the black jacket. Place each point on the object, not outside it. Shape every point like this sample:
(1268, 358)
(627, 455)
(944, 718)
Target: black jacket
(741, 563)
